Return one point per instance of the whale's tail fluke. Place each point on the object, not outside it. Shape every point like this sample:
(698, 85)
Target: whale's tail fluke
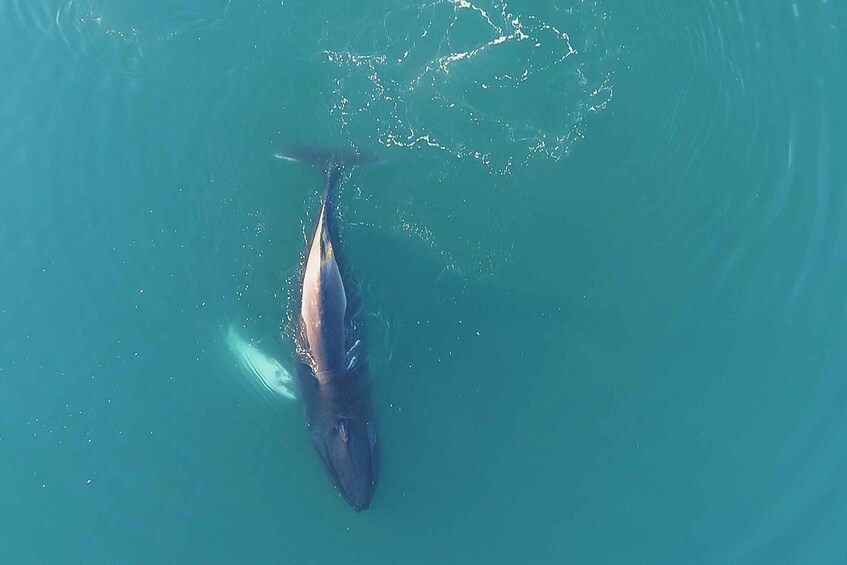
(331, 162)
(323, 158)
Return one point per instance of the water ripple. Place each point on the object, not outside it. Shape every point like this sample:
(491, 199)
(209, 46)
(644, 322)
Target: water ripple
(465, 67)
(740, 79)
(750, 190)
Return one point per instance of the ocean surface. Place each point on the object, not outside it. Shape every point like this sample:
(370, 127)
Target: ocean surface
(602, 260)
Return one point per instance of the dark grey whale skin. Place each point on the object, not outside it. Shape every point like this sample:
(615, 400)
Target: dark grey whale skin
(332, 375)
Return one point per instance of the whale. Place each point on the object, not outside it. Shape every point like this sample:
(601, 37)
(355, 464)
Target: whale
(331, 373)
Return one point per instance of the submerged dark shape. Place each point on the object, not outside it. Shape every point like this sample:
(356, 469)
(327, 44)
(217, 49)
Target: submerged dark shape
(332, 374)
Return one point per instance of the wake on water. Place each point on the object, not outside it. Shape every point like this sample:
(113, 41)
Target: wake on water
(451, 76)
(454, 76)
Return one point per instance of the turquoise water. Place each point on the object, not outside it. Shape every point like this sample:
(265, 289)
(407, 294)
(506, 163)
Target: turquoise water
(602, 263)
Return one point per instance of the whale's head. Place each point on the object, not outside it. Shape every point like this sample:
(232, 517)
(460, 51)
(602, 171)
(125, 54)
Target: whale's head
(347, 447)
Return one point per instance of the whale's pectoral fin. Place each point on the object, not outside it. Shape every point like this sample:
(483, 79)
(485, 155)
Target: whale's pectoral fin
(353, 354)
(268, 372)
(283, 384)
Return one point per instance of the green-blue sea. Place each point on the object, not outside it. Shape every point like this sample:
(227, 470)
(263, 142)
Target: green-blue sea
(601, 257)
